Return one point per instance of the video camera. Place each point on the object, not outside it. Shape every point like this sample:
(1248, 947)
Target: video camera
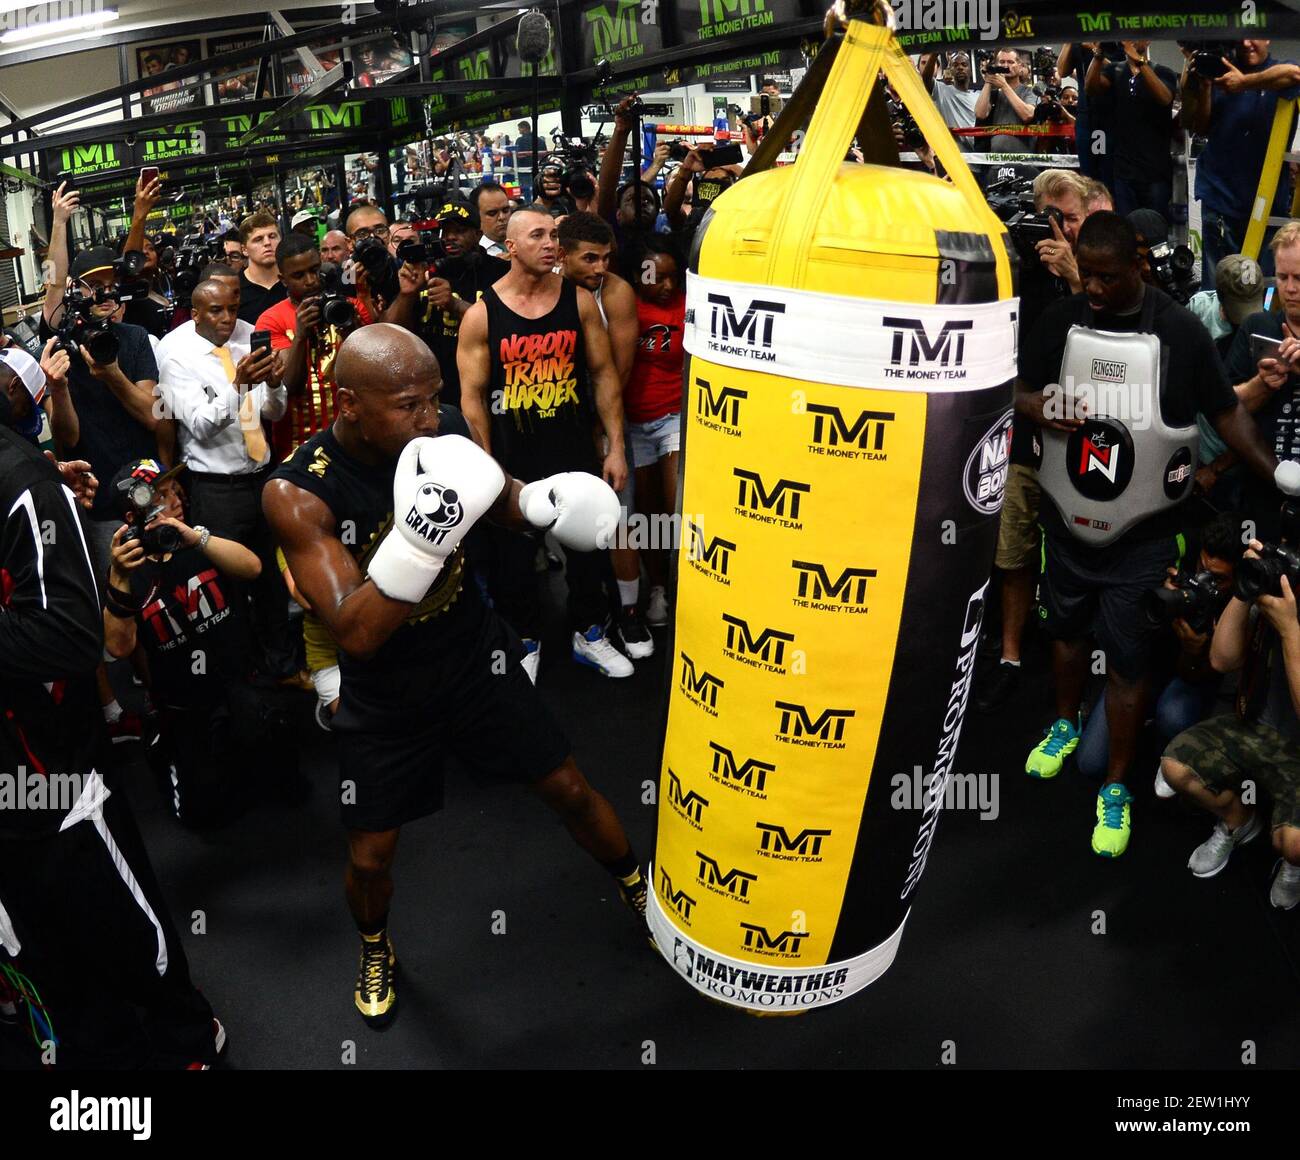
(1207, 57)
(191, 256)
(78, 327)
(1013, 201)
(1175, 271)
(1194, 598)
(1263, 577)
(1049, 109)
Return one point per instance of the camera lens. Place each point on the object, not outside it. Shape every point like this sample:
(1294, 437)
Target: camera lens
(103, 346)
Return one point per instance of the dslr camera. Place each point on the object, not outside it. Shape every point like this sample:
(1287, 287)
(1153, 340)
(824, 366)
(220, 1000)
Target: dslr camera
(381, 271)
(79, 327)
(142, 497)
(1195, 598)
(1207, 57)
(1263, 577)
(429, 250)
(336, 308)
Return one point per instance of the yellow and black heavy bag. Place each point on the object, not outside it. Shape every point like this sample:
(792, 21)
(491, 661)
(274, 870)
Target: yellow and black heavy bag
(846, 425)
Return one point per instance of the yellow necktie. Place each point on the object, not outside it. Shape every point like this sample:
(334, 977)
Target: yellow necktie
(250, 422)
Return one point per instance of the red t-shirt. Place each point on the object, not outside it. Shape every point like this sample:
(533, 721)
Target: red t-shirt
(313, 410)
(654, 388)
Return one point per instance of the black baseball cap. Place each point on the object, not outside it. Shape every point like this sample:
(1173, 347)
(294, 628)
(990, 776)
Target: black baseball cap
(1150, 225)
(455, 212)
(88, 261)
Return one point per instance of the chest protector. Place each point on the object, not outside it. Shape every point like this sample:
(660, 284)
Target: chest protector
(1125, 463)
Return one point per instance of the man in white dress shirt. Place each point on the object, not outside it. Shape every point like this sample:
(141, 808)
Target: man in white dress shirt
(219, 392)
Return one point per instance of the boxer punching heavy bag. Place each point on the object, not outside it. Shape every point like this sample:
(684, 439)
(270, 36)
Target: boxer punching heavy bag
(846, 429)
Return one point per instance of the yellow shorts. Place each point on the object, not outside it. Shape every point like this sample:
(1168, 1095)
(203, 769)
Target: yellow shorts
(1018, 534)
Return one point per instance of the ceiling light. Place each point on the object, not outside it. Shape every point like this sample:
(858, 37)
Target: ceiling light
(59, 27)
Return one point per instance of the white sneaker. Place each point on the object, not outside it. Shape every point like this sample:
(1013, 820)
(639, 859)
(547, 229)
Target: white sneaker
(1163, 788)
(1285, 892)
(593, 648)
(532, 658)
(656, 612)
(1212, 855)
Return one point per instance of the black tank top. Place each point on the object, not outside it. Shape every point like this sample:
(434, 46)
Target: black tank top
(440, 642)
(539, 392)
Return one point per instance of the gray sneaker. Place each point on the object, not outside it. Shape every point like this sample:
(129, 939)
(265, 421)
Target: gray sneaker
(1212, 855)
(1285, 892)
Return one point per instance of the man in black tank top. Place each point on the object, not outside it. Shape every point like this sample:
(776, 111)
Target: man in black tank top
(371, 514)
(536, 373)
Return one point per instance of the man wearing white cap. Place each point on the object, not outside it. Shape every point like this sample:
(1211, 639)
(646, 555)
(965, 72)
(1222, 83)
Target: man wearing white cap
(304, 222)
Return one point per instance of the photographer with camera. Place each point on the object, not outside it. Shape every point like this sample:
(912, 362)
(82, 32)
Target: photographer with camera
(172, 589)
(1184, 610)
(1005, 100)
(440, 282)
(955, 101)
(1229, 95)
(1109, 538)
(492, 204)
(702, 179)
(154, 311)
(308, 327)
(1209, 764)
(112, 381)
(221, 391)
(260, 286)
(1142, 95)
(629, 207)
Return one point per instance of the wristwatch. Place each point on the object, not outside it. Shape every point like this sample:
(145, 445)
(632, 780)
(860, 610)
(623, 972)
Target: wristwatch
(204, 536)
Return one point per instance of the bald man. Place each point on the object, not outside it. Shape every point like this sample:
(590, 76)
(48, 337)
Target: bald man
(220, 392)
(536, 371)
(335, 247)
(371, 514)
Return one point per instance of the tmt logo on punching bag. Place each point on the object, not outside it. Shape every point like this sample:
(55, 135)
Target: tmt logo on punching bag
(1099, 459)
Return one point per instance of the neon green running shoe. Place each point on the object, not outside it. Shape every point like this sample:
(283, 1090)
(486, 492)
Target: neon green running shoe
(1047, 757)
(1114, 825)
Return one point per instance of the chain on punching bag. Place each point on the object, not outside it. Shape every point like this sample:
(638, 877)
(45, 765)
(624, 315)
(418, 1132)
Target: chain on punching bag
(846, 436)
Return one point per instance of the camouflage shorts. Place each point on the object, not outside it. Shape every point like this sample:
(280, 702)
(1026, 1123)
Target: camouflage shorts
(1225, 751)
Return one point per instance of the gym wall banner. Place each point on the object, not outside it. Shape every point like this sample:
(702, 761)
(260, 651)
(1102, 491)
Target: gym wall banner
(711, 20)
(851, 332)
(620, 31)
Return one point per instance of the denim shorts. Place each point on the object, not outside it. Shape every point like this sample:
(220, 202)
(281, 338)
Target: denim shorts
(650, 442)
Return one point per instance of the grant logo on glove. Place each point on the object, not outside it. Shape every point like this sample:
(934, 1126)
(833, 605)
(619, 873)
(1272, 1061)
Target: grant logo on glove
(444, 485)
(436, 511)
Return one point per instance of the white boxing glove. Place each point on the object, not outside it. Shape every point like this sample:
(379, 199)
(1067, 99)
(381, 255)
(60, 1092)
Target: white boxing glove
(1287, 477)
(440, 490)
(581, 509)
